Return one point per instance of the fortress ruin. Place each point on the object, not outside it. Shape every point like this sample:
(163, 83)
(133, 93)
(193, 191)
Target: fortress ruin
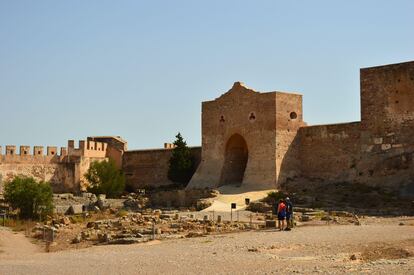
(260, 140)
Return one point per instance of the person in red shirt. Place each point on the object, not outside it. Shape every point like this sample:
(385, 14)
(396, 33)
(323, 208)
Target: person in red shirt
(281, 214)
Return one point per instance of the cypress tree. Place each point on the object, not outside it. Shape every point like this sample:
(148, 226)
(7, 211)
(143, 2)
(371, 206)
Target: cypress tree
(181, 167)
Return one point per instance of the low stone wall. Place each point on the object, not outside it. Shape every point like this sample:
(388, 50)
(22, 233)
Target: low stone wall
(180, 198)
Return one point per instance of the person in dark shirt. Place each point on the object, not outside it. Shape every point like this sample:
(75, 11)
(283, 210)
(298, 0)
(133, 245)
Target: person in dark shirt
(289, 214)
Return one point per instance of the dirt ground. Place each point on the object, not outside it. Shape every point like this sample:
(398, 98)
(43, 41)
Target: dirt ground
(379, 245)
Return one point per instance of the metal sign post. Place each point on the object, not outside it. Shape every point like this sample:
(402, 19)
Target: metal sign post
(233, 206)
(3, 214)
(153, 230)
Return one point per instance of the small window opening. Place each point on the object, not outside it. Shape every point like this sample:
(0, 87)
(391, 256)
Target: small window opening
(52, 153)
(293, 115)
(252, 116)
(222, 119)
(397, 102)
(38, 152)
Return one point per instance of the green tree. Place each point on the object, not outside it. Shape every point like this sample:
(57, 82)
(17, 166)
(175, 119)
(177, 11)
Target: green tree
(31, 198)
(181, 167)
(105, 178)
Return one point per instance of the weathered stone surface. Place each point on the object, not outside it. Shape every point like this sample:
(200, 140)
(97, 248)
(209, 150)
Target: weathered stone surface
(76, 209)
(65, 170)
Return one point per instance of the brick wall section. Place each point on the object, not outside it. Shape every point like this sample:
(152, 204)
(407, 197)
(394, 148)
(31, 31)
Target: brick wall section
(387, 99)
(329, 152)
(143, 168)
(378, 150)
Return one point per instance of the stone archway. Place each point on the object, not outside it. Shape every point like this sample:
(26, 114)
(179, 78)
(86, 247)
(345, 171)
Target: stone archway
(235, 160)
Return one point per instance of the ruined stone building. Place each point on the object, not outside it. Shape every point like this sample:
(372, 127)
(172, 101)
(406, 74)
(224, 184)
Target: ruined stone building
(260, 140)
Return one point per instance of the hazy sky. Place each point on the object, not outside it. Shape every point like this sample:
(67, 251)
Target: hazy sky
(140, 69)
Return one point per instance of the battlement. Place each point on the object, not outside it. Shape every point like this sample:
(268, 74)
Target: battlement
(38, 151)
(88, 148)
(169, 146)
(85, 149)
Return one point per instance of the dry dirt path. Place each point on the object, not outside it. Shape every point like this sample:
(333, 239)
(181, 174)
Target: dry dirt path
(15, 245)
(230, 194)
(310, 249)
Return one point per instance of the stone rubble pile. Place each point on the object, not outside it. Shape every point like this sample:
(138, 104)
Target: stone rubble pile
(142, 227)
(67, 203)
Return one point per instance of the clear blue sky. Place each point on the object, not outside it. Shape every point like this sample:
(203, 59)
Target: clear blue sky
(140, 69)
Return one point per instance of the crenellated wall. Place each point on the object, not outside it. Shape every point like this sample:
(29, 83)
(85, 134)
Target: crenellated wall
(64, 169)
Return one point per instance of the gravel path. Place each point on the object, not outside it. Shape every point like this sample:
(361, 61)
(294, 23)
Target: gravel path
(310, 249)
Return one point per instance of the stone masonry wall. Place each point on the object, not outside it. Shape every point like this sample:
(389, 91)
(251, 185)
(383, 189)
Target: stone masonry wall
(289, 119)
(379, 150)
(64, 171)
(143, 168)
(54, 169)
(329, 152)
(252, 117)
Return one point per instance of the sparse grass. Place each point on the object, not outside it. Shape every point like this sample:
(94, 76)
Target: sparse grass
(207, 241)
(122, 213)
(274, 196)
(18, 225)
(77, 219)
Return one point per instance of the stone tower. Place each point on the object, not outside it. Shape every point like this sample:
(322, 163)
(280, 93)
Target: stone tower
(242, 131)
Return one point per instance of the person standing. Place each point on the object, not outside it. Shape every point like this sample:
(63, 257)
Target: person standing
(281, 214)
(289, 214)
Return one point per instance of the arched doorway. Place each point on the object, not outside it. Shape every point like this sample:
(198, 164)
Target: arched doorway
(235, 161)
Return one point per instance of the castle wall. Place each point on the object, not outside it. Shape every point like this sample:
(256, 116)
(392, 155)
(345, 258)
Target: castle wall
(52, 168)
(64, 171)
(377, 151)
(329, 152)
(115, 147)
(143, 168)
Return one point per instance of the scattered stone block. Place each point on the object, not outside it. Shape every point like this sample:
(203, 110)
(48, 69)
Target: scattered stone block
(76, 209)
(377, 140)
(385, 147)
(305, 218)
(270, 223)
(77, 239)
